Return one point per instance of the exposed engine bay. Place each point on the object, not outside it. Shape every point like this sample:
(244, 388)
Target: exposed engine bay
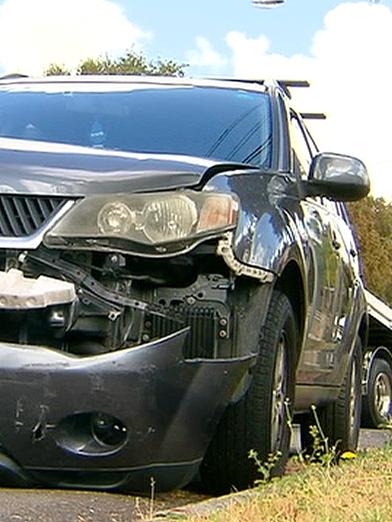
(105, 302)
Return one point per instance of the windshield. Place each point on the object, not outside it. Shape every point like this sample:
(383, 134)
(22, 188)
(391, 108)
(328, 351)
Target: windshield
(223, 124)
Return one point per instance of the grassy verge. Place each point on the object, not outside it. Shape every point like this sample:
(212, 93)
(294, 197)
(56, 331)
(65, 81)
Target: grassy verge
(357, 490)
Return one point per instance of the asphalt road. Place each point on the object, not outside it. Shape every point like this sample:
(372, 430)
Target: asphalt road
(20, 505)
(28, 505)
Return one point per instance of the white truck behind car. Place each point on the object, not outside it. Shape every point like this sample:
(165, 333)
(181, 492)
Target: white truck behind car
(377, 365)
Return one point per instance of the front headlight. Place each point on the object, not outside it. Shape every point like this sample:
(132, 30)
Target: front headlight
(115, 218)
(144, 219)
(169, 219)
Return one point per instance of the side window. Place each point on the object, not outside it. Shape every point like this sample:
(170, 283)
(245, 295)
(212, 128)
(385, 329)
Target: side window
(301, 151)
(284, 140)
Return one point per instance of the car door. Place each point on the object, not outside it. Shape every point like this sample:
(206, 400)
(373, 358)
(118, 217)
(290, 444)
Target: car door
(343, 296)
(344, 244)
(327, 285)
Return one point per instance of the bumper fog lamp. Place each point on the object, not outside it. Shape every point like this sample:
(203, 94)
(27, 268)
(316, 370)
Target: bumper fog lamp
(108, 430)
(115, 218)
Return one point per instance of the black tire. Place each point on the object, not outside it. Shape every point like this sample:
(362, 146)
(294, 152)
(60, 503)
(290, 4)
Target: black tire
(341, 420)
(377, 404)
(250, 424)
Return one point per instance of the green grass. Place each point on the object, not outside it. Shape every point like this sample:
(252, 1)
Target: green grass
(357, 490)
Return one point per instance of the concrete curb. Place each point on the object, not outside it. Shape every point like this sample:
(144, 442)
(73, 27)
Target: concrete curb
(207, 507)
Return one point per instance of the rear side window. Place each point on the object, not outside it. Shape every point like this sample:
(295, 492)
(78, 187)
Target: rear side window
(217, 123)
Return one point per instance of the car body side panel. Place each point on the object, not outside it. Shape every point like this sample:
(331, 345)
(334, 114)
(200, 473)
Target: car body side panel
(319, 360)
(335, 305)
(277, 227)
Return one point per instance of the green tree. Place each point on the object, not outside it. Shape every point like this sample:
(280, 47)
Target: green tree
(57, 70)
(372, 218)
(130, 63)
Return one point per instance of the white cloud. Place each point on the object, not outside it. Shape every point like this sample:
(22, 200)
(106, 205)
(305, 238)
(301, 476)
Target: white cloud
(349, 66)
(205, 55)
(36, 33)
(252, 58)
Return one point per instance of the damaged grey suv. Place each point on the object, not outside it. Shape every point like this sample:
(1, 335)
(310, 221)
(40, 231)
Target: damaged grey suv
(178, 276)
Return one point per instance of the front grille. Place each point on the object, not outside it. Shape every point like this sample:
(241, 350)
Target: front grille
(21, 216)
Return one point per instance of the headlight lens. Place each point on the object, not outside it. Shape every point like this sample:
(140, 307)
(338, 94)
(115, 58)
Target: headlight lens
(147, 219)
(115, 218)
(170, 219)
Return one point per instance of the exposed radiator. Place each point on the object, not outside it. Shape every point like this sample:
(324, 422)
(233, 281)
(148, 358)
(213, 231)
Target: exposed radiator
(203, 337)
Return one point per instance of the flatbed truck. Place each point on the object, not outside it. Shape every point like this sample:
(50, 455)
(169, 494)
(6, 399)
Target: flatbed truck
(377, 365)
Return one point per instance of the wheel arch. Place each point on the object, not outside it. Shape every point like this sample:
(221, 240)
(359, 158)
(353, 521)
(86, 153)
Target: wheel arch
(291, 283)
(370, 356)
(363, 331)
(376, 404)
(382, 352)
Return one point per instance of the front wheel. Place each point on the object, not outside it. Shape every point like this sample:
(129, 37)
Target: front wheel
(377, 404)
(258, 421)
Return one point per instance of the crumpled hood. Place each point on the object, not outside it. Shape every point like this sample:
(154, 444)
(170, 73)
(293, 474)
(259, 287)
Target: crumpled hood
(56, 169)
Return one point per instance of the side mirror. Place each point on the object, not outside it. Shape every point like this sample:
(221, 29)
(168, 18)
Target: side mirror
(339, 177)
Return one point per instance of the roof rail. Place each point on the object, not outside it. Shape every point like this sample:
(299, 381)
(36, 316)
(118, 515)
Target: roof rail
(294, 83)
(285, 85)
(313, 116)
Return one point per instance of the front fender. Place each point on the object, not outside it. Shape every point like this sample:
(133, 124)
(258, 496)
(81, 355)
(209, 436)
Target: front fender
(268, 234)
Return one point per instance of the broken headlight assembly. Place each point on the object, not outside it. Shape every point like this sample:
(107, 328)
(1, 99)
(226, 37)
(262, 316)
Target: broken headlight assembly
(165, 222)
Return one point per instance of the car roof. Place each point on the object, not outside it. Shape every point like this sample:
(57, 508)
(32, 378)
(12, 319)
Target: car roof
(107, 83)
(112, 80)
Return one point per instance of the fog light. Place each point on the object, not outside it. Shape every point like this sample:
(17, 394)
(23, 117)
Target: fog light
(107, 430)
(91, 433)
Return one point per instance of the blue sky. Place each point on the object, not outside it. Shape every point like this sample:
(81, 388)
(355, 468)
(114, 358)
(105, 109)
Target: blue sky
(175, 24)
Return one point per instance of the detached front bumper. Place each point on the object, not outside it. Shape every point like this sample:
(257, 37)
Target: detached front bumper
(159, 411)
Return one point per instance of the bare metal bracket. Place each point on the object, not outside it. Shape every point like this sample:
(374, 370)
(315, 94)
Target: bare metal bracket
(225, 249)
